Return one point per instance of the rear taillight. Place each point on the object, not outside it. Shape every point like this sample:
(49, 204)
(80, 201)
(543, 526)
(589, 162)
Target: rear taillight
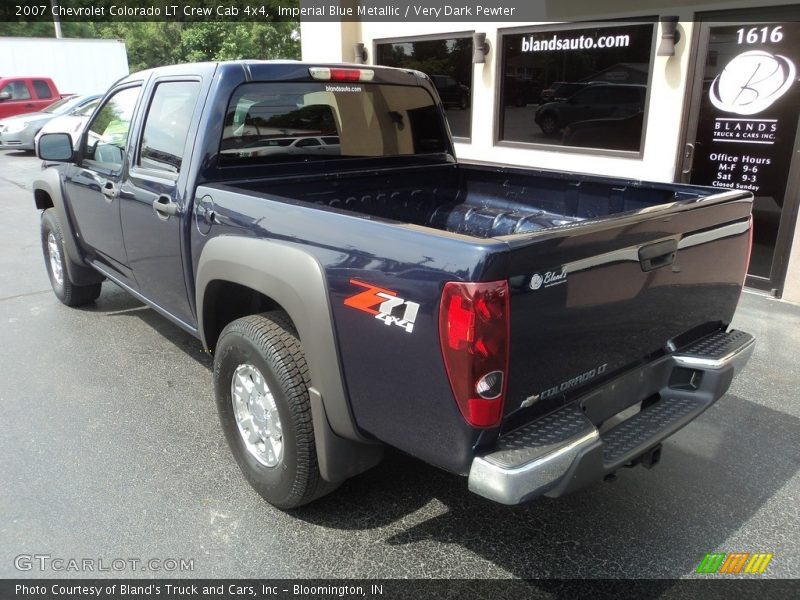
(474, 335)
(341, 74)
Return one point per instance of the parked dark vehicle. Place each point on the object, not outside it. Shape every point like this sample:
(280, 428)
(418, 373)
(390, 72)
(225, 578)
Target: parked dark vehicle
(532, 330)
(621, 133)
(520, 92)
(595, 101)
(451, 92)
(560, 90)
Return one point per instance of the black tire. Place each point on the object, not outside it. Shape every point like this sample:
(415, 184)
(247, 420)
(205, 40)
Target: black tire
(66, 291)
(463, 103)
(549, 124)
(269, 342)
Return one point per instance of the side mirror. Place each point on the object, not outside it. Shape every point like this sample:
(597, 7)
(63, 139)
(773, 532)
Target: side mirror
(55, 147)
(5, 96)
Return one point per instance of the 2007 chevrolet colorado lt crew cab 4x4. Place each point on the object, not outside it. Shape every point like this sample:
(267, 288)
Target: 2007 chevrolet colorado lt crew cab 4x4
(359, 287)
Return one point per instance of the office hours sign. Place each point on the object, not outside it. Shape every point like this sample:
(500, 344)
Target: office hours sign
(749, 109)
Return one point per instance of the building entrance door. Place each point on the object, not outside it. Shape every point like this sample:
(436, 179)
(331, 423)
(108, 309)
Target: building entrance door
(742, 125)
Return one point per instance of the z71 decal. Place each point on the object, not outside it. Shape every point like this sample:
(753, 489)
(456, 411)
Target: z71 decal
(384, 304)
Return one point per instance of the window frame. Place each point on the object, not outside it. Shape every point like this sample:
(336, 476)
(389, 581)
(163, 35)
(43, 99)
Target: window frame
(432, 38)
(500, 64)
(152, 88)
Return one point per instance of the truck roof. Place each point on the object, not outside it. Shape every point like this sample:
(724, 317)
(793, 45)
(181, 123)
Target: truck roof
(277, 70)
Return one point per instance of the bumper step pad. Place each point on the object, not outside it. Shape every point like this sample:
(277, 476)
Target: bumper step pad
(541, 437)
(628, 437)
(717, 345)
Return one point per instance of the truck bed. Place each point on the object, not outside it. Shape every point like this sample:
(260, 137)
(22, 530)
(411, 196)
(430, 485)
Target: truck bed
(477, 201)
(603, 274)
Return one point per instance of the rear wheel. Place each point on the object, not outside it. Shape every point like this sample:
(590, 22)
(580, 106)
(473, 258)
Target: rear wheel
(261, 382)
(56, 261)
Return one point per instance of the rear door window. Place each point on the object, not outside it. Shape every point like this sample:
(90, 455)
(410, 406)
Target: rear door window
(42, 89)
(167, 125)
(592, 95)
(623, 95)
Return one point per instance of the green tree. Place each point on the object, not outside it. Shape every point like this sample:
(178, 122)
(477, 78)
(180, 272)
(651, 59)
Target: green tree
(152, 43)
(46, 29)
(261, 40)
(149, 44)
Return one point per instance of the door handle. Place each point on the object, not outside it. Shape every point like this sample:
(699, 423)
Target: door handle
(165, 207)
(660, 254)
(109, 190)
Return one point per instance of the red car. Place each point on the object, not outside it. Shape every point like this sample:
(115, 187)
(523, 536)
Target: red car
(20, 95)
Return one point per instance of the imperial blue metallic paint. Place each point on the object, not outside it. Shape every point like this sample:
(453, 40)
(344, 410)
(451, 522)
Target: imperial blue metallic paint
(595, 314)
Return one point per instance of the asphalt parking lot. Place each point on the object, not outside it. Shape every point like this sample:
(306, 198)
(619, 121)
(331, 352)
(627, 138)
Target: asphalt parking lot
(110, 448)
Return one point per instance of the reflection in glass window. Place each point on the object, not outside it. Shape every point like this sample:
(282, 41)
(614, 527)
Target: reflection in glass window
(42, 89)
(107, 136)
(291, 122)
(167, 125)
(448, 62)
(17, 89)
(584, 87)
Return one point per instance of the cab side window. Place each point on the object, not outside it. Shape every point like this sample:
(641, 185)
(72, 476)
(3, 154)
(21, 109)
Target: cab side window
(107, 136)
(167, 125)
(42, 89)
(17, 89)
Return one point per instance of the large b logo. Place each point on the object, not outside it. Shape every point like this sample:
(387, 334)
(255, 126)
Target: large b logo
(751, 82)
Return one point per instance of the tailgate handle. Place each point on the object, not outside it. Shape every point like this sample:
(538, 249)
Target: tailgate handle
(660, 254)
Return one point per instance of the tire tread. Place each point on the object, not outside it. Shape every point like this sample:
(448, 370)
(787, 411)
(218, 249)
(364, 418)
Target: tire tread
(275, 334)
(70, 294)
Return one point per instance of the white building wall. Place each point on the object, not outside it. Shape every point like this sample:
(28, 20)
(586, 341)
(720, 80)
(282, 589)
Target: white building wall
(666, 105)
(791, 289)
(670, 78)
(669, 81)
(77, 66)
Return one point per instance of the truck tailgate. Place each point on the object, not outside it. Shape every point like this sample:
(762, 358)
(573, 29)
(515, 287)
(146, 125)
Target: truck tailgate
(591, 300)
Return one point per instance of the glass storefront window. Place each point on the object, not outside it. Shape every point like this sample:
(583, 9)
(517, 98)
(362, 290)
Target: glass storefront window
(582, 86)
(448, 62)
(747, 123)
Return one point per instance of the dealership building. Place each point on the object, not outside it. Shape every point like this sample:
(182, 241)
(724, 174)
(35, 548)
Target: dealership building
(703, 93)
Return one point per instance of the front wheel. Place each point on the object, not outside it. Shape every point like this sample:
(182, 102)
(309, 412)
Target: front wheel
(56, 262)
(261, 382)
(549, 125)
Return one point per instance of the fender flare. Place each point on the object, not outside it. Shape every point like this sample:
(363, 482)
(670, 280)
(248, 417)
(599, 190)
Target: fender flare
(78, 272)
(294, 280)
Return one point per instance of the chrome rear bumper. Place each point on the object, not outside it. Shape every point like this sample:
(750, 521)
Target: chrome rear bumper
(564, 450)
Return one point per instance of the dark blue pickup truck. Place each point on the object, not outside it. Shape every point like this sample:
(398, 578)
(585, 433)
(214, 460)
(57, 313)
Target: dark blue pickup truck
(359, 287)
